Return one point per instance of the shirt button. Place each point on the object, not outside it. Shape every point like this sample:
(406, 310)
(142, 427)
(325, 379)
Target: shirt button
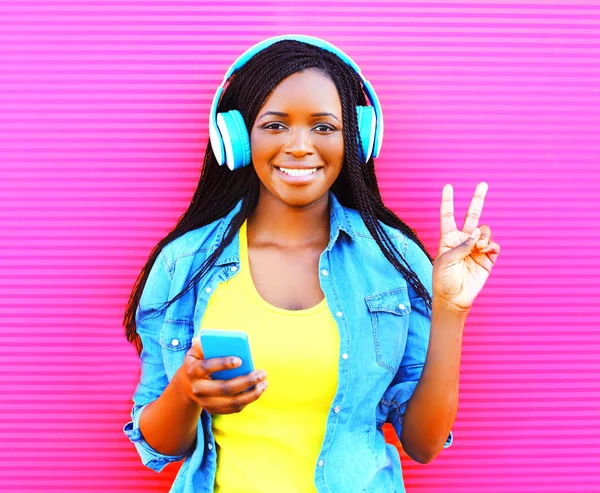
(401, 306)
(344, 356)
(320, 463)
(175, 342)
(339, 314)
(336, 409)
(324, 272)
(210, 447)
(208, 290)
(234, 269)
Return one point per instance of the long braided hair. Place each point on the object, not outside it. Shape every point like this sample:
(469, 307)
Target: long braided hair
(220, 189)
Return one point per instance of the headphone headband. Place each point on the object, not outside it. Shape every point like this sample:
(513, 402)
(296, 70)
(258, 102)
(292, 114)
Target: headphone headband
(311, 40)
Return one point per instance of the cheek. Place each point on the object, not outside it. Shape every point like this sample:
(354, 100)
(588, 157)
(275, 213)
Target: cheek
(263, 147)
(254, 146)
(333, 152)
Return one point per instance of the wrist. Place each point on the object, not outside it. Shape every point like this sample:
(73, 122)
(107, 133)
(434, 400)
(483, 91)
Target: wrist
(448, 308)
(447, 318)
(182, 387)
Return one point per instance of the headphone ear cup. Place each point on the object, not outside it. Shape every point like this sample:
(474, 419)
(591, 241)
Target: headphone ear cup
(236, 140)
(366, 121)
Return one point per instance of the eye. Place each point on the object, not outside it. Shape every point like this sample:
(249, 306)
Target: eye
(322, 127)
(272, 126)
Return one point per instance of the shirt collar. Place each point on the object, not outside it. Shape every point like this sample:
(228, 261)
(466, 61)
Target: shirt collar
(339, 219)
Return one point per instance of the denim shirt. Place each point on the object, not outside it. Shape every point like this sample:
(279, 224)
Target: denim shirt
(384, 333)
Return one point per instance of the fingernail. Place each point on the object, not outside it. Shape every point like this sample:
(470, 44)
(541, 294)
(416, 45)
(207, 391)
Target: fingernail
(481, 243)
(236, 361)
(263, 385)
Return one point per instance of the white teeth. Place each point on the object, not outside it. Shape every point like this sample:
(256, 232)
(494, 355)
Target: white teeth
(298, 172)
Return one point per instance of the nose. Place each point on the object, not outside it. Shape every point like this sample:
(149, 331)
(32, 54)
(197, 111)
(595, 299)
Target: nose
(299, 142)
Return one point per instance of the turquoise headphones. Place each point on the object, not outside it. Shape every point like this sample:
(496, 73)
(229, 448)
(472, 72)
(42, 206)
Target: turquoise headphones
(229, 137)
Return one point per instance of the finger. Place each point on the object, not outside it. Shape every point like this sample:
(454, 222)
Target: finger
(236, 385)
(492, 247)
(475, 208)
(205, 367)
(447, 223)
(487, 257)
(486, 236)
(483, 261)
(233, 404)
(462, 250)
(240, 401)
(493, 256)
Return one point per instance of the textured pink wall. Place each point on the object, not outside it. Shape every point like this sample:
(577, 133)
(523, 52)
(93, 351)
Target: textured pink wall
(102, 126)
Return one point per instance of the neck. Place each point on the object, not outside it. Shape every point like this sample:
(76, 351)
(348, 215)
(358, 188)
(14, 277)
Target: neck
(276, 223)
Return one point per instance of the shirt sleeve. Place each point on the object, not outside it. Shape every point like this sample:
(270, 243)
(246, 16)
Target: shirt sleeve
(153, 379)
(411, 366)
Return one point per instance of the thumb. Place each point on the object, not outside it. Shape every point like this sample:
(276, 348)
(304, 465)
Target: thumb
(196, 349)
(464, 249)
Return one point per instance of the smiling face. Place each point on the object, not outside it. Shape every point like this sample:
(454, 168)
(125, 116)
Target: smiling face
(297, 141)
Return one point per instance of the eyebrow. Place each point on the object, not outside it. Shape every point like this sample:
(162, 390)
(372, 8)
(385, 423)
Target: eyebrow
(279, 113)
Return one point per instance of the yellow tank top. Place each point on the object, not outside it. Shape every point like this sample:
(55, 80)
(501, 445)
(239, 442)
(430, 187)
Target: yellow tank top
(272, 445)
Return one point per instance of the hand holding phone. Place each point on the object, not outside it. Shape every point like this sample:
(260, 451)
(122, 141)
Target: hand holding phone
(221, 343)
(197, 380)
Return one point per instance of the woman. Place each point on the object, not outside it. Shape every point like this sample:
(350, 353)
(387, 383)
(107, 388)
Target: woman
(348, 321)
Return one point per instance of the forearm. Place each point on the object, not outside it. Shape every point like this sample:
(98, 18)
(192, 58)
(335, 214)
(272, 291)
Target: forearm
(431, 411)
(169, 424)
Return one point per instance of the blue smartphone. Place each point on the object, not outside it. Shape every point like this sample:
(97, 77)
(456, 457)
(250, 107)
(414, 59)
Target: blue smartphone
(221, 343)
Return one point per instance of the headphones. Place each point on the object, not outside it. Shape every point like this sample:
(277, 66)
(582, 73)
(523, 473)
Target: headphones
(229, 137)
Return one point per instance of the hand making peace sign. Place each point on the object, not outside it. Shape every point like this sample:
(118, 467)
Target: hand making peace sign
(464, 260)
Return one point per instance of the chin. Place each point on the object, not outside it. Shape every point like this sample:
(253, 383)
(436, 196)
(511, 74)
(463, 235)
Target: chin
(302, 197)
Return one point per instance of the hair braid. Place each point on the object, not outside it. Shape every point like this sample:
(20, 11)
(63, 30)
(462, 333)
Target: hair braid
(363, 194)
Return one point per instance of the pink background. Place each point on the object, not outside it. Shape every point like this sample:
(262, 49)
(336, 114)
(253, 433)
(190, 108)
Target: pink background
(102, 127)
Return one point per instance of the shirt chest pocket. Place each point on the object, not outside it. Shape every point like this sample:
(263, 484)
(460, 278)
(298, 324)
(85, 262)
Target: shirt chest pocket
(175, 340)
(389, 312)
